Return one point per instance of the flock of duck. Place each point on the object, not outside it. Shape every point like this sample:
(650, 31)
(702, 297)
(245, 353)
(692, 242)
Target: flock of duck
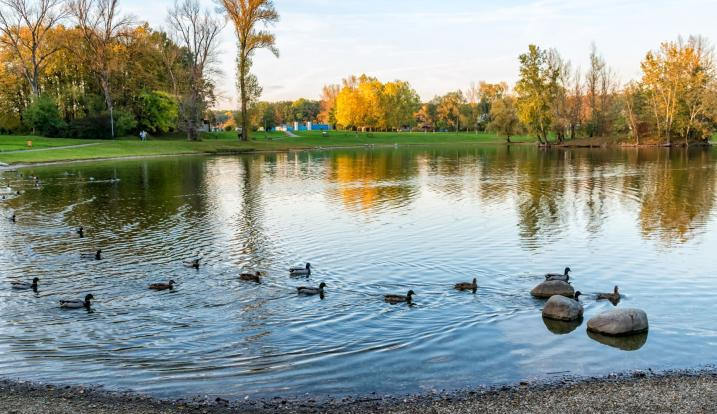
(563, 301)
(299, 271)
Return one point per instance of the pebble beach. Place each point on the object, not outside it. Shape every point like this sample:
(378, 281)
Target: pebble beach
(639, 392)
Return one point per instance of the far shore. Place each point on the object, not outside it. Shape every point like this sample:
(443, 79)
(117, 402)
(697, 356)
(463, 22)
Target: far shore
(636, 392)
(59, 150)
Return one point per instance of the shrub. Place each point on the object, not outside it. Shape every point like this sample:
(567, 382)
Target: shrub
(43, 117)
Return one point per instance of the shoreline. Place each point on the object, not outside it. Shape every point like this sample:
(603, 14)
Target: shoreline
(19, 165)
(5, 167)
(636, 391)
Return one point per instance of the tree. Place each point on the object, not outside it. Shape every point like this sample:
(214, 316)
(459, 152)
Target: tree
(536, 91)
(196, 31)
(633, 102)
(449, 110)
(327, 113)
(399, 103)
(158, 112)
(678, 80)
(26, 28)
(43, 117)
(426, 117)
(247, 15)
(504, 117)
(102, 29)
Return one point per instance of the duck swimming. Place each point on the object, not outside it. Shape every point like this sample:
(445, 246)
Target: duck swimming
(77, 304)
(81, 232)
(94, 256)
(25, 285)
(163, 286)
(251, 277)
(399, 298)
(467, 286)
(303, 290)
(13, 218)
(192, 263)
(557, 276)
(612, 297)
(301, 271)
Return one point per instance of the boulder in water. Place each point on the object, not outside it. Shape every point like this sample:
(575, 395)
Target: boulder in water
(562, 308)
(619, 322)
(551, 288)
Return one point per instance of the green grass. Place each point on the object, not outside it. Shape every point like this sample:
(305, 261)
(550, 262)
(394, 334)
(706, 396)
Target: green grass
(19, 142)
(222, 143)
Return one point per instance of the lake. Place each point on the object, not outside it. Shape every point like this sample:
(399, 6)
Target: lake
(371, 222)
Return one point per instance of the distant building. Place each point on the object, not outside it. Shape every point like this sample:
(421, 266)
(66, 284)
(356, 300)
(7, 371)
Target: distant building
(309, 126)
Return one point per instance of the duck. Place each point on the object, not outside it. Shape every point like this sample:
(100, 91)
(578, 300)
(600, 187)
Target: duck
(557, 276)
(467, 285)
(13, 218)
(192, 263)
(94, 256)
(25, 285)
(163, 286)
(81, 232)
(613, 297)
(400, 298)
(301, 271)
(251, 277)
(303, 290)
(77, 304)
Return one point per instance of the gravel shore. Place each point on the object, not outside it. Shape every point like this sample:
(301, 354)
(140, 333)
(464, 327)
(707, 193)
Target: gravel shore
(634, 393)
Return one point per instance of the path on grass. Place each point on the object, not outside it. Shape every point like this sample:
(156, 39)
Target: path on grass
(291, 134)
(49, 148)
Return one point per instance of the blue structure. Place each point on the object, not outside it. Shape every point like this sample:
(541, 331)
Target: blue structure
(309, 126)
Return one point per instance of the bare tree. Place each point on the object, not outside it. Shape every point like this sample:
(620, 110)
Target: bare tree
(102, 28)
(25, 26)
(196, 31)
(576, 103)
(246, 16)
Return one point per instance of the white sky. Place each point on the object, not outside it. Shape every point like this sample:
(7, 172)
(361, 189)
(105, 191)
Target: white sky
(440, 46)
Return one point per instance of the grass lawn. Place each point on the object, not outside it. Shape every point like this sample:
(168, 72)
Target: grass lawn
(18, 142)
(222, 142)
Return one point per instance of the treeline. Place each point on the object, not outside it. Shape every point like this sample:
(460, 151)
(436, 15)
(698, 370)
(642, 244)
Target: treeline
(674, 102)
(82, 68)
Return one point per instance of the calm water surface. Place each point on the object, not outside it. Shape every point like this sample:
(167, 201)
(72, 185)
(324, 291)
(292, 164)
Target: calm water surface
(371, 222)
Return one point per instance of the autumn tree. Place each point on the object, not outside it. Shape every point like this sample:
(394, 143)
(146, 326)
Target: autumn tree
(679, 81)
(250, 19)
(26, 28)
(448, 110)
(102, 29)
(329, 93)
(196, 31)
(426, 116)
(504, 117)
(399, 102)
(536, 91)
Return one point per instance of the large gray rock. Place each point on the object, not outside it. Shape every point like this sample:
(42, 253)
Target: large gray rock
(618, 322)
(562, 308)
(552, 288)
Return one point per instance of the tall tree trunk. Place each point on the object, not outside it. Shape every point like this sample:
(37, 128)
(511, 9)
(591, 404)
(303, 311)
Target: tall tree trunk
(244, 98)
(108, 101)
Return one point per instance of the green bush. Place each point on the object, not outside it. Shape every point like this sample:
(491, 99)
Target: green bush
(43, 117)
(97, 125)
(157, 112)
